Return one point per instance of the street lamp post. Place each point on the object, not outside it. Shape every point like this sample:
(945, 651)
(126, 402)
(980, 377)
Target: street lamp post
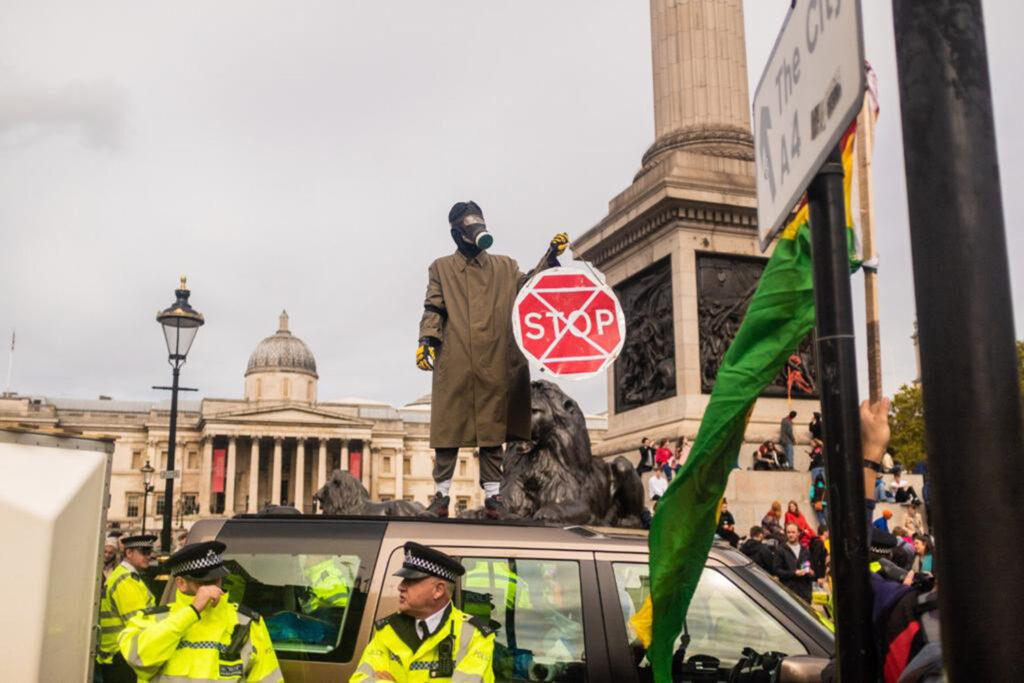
(180, 322)
(147, 488)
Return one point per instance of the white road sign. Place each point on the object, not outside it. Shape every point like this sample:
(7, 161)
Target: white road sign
(168, 474)
(809, 93)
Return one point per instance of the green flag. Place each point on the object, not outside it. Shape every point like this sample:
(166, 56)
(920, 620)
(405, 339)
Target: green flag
(779, 316)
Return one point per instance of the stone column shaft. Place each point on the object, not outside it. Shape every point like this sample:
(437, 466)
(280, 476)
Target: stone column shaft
(275, 473)
(344, 455)
(321, 465)
(365, 465)
(300, 476)
(229, 478)
(254, 475)
(206, 476)
(399, 472)
(700, 65)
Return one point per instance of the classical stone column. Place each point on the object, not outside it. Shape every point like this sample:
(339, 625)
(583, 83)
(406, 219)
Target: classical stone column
(254, 476)
(180, 464)
(344, 455)
(300, 475)
(229, 478)
(321, 465)
(399, 472)
(365, 464)
(701, 98)
(205, 476)
(275, 473)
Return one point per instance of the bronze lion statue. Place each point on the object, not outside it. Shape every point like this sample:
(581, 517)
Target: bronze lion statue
(554, 476)
(343, 494)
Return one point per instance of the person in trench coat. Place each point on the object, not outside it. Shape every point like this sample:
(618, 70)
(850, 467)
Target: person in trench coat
(481, 384)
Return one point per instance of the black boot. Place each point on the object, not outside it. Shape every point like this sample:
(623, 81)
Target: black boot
(439, 505)
(495, 507)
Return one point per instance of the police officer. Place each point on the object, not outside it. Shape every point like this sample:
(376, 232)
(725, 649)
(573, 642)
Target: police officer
(200, 636)
(330, 584)
(124, 595)
(428, 638)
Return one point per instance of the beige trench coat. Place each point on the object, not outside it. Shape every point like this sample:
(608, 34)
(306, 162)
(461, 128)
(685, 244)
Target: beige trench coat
(481, 384)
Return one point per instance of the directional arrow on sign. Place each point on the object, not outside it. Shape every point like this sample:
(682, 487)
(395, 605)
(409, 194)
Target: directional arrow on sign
(765, 151)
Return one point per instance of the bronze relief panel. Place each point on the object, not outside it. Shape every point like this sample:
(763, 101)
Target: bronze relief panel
(725, 286)
(645, 371)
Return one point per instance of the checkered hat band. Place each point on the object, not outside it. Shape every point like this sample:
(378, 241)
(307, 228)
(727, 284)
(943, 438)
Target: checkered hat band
(143, 543)
(211, 560)
(429, 567)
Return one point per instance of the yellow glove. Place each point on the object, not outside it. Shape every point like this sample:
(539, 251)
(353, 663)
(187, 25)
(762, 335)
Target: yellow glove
(559, 242)
(425, 357)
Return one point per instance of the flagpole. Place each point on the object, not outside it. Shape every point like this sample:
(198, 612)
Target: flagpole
(865, 141)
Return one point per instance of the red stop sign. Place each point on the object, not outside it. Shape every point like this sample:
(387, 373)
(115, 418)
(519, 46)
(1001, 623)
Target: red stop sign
(568, 322)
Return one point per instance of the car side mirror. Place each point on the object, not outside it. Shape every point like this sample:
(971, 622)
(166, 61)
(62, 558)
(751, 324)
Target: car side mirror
(802, 669)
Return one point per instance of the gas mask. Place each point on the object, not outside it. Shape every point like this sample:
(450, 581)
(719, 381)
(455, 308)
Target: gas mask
(473, 230)
(468, 228)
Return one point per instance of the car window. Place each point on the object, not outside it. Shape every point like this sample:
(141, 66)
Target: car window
(304, 599)
(722, 619)
(535, 607)
(311, 601)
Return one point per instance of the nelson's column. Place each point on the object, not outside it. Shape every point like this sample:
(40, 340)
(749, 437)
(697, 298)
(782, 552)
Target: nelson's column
(680, 245)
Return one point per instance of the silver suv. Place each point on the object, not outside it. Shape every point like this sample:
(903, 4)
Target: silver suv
(562, 600)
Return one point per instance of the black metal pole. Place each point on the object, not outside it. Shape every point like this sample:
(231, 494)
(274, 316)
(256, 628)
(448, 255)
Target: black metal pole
(145, 499)
(972, 403)
(165, 532)
(837, 371)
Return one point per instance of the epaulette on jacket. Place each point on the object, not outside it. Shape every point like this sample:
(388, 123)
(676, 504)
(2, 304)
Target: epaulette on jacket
(251, 613)
(381, 623)
(156, 609)
(481, 625)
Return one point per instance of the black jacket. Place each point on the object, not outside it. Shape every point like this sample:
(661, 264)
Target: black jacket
(760, 553)
(786, 566)
(646, 457)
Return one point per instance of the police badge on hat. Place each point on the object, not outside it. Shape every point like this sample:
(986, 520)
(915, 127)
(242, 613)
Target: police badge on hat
(199, 562)
(421, 562)
(138, 542)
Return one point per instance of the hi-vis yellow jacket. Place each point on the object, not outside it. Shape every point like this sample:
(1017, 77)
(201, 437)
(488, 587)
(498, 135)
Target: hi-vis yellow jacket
(329, 585)
(124, 596)
(173, 644)
(396, 649)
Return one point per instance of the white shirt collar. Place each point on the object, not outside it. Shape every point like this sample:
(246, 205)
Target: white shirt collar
(129, 567)
(432, 622)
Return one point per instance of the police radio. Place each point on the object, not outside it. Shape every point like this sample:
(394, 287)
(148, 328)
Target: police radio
(445, 661)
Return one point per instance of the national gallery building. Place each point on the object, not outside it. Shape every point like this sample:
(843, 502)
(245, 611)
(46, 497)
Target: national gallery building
(277, 444)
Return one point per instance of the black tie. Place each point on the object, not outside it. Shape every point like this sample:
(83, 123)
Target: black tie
(424, 633)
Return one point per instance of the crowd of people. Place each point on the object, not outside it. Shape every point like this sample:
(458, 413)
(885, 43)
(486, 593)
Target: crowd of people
(786, 544)
(787, 547)
(664, 461)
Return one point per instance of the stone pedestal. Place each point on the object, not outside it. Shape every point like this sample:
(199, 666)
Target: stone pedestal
(680, 244)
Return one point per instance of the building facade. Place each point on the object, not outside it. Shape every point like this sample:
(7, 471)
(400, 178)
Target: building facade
(276, 445)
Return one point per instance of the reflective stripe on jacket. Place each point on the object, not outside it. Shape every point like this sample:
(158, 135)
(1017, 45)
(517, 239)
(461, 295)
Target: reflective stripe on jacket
(490, 575)
(124, 595)
(387, 651)
(329, 584)
(171, 644)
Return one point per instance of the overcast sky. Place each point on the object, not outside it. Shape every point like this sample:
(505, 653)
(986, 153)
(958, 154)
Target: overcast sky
(304, 156)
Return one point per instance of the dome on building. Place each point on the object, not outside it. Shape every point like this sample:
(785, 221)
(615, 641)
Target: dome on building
(282, 352)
